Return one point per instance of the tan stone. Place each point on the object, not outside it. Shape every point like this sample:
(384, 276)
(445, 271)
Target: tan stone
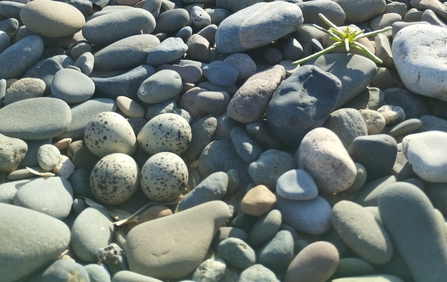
(151, 214)
(258, 201)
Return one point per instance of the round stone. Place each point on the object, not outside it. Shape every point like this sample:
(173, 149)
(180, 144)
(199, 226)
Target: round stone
(296, 184)
(163, 177)
(48, 156)
(159, 87)
(114, 179)
(72, 86)
(165, 133)
(52, 18)
(109, 132)
(237, 253)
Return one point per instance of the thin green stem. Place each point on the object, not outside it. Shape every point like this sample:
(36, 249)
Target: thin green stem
(318, 54)
(328, 22)
(362, 48)
(373, 33)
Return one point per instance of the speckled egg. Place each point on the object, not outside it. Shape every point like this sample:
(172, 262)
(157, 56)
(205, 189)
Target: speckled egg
(163, 177)
(114, 179)
(109, 132)
(165, 133)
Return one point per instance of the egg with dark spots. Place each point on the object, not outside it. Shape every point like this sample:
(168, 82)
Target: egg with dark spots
(163, 177)
(114, 179)
(110, 132)
(165, 133)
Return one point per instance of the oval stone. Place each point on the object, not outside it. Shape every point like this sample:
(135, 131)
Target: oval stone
(52, 18)
(48, 118)
(72, 86)
(31, 240)
(160, 87)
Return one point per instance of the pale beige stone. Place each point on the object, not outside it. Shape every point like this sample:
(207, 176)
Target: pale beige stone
(258, 201)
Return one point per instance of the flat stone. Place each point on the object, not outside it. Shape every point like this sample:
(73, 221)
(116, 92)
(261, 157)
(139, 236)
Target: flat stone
(330, 9)
(426, 155)
(311, 216)
(49, 118)
(72, 86)
(255, 26)
(169, 50)
(362, 232)
(409, 217)
(249, 102)
(221, 73)
(169, 254)
(237, 253)
(43, 17)
(29, 245)
(159, 87)
(104, 30)
(302, 100)
(296, 184)
(324, 157)
(24, 88)
(12, 153)
(363, 10)
(318, 260)
(20, 56)
(369, 194)
(213, 102)
(127, 276)
(258, 201)
(417, 65)
(92, 229)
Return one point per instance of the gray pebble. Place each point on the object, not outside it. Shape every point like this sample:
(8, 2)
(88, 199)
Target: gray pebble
(258, 272)
(171, 21)
(237, 253)
(72, 86)
(213, 102)
(198, 48)
(210, 270)
(85, 62)
(97, 273)
(245, 145)
(200, 17)
(277, 254)
(265, 228)
(24, 88)
(159, 87)
(169, 50)
(12, 153)
(48, 156)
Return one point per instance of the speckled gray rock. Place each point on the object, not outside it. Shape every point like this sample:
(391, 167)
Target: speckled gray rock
(30, 239)
(92, 229)
(49, 118)
(109, 132)
(300, 99)
(277, 254)
(72, 86)
(255, 26)
(362, 232)
(296, 184)
(48, 156)
(210, 270)
(160, 87)
(363, 10)
(213, 187)
(24, 88)
(245, 145)
(165, 133)
(169, 254)
(248, 104)
(270, 165)
(318, 260)
(126, 53)
(221, 73)
(163, 177)
(114, 179)
(413, 225)
(410, 59)
(12, 153)
(115, 26)
(237, 253)
(41, 17)
(347, 124)
(52, 196)
(324, 157)
(311, 216)
(61, 270)
(128, 82)
(265, 228)
(169, 50)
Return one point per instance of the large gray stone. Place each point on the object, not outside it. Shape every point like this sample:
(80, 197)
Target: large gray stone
(257, 25)
(31, 240)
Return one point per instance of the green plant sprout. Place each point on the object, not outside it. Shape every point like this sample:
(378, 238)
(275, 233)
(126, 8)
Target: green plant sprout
(344, 39)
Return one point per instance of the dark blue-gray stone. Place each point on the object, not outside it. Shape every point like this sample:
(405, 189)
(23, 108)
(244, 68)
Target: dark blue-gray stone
(126, 53)
(82, 113)
(257, 25)
(350, 267)
(330, 9)
(125, 84)
(368, 195)
(377, 153)
(257, 272)
(45, 70)
(246, 147)
(169, 50)
(412, 223)
(17, 58)
(60, 271)
(221, 73)
(301, 103)
(211, 188)
(414, 106)
(48, 118)
(437, 192)
(112, 27)
(9, 26)
(277, 254)
(354, 71)
(171, 21)
(237, 253)
(265, 228)
(31, 240)
(263, 135)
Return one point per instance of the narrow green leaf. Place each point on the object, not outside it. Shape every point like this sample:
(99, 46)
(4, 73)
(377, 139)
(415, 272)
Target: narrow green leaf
(373, 33)
(328, 22)
(317, 54)
(365, 51)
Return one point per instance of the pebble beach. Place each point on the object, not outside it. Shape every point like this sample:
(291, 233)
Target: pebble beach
(157, 140)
